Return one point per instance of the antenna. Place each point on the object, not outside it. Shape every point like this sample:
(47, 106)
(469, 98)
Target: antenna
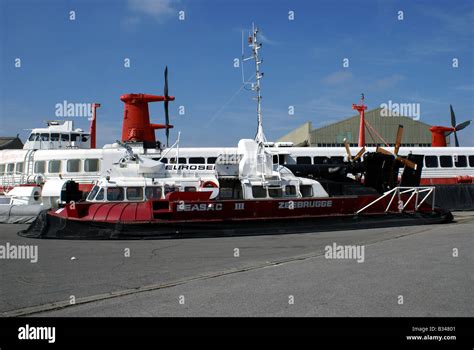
(255, 46)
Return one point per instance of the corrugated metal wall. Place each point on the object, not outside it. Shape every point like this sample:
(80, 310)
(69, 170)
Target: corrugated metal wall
(416, 133)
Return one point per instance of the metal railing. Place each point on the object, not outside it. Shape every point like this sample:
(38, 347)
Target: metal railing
(417, 194)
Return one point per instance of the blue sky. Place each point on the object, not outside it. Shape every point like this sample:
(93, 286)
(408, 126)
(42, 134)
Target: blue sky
(83, 61)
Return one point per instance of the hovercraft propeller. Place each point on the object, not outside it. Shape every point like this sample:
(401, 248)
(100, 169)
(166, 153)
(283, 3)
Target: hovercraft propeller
(398, 142)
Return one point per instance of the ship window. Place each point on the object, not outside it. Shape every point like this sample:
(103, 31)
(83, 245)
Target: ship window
(55, 137)
(190, 189)
(10, 168)
(2, 169)
(73, 165)
(91, 165)
(471, 161)
(100, 195)
(211, 160)
(93, 193)
(259, 192)
(135, 193)
(431, 161)
(460, 162)
(115, 194)
(40, 167)
(335, 160)
(44, 137)
(181, 160)
(303, 160)
(275, 192)
(321, 160)
(169, 189)
(196, 160)
(164, 160)
(54, 166)
(446, 161)
(19, 168)
(153, 192)
(290, 190)
(85, 137)
(64, 137)
(33, 137)
(74, 137)
(306, 190)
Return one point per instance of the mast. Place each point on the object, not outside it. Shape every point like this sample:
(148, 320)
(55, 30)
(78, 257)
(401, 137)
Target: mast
(255, 45)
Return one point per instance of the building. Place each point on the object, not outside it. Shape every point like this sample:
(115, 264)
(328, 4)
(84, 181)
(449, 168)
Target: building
(10, 142)
(416, 133)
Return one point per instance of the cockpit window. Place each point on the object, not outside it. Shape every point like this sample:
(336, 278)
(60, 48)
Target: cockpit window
(100, 195)
(44, 137)
(153, 192)
(93, 193)
(115, 194)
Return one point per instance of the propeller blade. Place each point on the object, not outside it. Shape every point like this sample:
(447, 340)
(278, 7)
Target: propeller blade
(453, 117)
(167, 116)
(407, 162)
(462, 125)
(348, 150)
(384, 151)
(398, 141)
(456, 141)
(360, 153)
(447, 133)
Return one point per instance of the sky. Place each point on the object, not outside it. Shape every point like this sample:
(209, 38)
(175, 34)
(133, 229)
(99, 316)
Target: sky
(83, 61)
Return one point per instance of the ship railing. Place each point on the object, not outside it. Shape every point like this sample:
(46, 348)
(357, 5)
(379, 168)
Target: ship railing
(418, 195)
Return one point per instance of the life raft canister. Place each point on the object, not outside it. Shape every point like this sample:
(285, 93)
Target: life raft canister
(209, 184)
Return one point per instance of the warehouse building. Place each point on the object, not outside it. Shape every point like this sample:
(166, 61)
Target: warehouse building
(416, 133)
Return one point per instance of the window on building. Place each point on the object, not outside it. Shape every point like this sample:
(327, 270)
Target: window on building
(115, 194)
(153, 192)
(40, 167)
(460, 161)
(134, 193)
(54, 166)
(303, 160)
(91, 165)
(197, 160)
(73, 165)
(259, 192)
(431, 161)
(306, 190)
(446, 161)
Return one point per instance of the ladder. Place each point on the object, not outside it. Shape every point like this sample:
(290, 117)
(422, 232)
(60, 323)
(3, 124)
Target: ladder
(28, 166)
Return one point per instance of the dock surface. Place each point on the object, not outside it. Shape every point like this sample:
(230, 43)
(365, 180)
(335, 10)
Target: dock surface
(407, 271)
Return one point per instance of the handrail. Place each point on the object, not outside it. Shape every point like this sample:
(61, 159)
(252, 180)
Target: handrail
(398, 191)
